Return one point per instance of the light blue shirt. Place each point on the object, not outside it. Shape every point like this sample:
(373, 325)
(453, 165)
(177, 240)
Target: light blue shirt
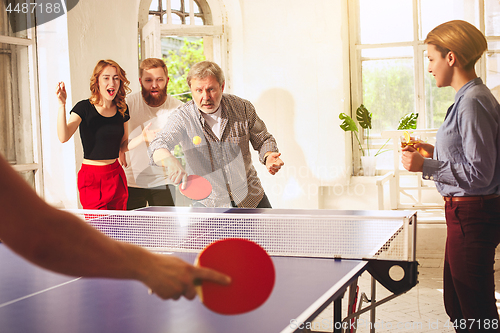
(466, 157)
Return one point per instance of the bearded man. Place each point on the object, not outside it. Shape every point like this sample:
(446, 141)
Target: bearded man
(149, 110)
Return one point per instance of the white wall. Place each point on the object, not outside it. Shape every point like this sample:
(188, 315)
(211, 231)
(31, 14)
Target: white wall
(102, 30)
(290, 59)
(287, 57)
(59, 169)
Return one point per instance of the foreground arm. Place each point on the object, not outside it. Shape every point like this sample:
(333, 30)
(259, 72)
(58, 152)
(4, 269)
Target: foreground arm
(62, 242)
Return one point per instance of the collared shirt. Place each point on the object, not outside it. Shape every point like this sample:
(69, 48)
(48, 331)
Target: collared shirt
(466, 159)
(226, 162)
(214, 121)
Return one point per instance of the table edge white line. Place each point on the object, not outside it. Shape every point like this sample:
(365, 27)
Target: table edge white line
(37, 293)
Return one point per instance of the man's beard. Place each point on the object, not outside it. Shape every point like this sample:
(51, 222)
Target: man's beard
(154, 100)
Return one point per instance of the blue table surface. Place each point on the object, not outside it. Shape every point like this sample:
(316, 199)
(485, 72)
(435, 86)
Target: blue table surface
(36, 300)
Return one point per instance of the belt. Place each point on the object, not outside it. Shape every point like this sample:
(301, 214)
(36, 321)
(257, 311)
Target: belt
(472, 198)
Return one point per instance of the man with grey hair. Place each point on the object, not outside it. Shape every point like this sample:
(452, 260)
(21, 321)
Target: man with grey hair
(215, 130)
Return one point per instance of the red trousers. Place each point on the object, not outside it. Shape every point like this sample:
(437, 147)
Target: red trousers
(473, 232)
(103, 187)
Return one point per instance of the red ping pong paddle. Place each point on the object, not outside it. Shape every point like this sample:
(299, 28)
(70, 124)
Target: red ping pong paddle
(197, 188)
(251, 271)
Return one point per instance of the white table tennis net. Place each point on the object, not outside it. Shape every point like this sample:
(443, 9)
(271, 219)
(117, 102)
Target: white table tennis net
(304, 235)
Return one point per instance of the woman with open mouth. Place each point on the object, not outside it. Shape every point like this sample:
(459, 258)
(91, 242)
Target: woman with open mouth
(102, 121)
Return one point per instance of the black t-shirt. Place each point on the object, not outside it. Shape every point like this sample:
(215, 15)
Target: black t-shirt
(101, 136)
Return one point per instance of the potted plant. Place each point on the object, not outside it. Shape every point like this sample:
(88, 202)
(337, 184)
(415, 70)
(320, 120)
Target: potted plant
(364, 118)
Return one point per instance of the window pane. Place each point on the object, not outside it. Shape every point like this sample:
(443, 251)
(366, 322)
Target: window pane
(392, 24)
(16, 132)
(388, 87)
(180, 53)
(154, 5)
(198, 21)
(437, 100)
(493, 68)
(176, 4)
(6, 110)
(436, 12)
(29, 177)
(492, 13)
(176, 19)
(196, 8)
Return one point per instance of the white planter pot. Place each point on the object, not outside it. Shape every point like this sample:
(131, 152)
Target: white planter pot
(369, 164)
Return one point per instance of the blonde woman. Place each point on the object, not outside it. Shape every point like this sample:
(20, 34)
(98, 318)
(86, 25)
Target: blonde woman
(102, 121)
(465, 164)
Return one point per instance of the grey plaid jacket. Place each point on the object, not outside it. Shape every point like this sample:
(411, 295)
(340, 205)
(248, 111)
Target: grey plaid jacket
(226, 163)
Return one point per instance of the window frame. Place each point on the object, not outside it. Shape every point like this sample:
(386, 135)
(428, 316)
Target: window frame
(215, 37)
(36, 167)
(206, 17)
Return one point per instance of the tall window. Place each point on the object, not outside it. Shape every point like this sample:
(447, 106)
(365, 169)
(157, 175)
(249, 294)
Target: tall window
(389, 61)
(19, 120)
(187, 36)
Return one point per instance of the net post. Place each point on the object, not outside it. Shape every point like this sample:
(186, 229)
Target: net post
(373, 301)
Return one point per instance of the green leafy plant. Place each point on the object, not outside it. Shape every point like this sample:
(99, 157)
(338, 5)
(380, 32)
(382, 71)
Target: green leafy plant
(178, 64)
(407, 122)
(364, 118)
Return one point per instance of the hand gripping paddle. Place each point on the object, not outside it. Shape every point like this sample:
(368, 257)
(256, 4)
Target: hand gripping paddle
(251, 271)
(197, 188)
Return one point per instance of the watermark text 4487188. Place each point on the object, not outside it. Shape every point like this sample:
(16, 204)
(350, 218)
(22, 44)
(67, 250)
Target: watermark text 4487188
(26, 14)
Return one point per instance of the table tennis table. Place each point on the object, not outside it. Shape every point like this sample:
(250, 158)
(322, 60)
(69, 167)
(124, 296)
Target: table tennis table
(317, 255)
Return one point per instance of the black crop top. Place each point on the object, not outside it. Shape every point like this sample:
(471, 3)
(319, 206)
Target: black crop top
(101, 136)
